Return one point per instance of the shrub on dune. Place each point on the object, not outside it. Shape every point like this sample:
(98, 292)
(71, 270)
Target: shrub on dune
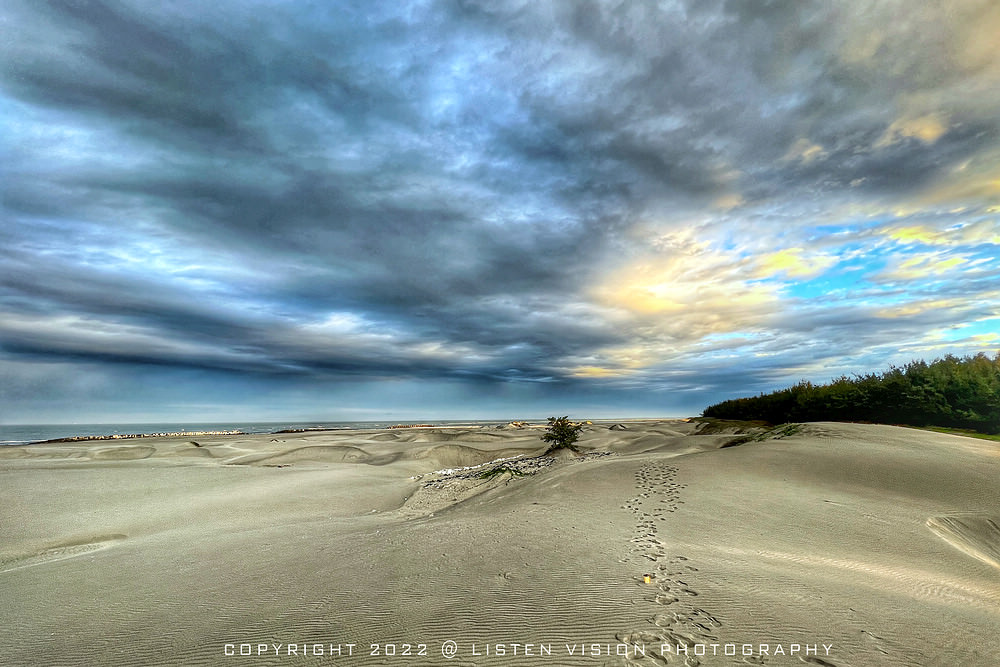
(562, 433)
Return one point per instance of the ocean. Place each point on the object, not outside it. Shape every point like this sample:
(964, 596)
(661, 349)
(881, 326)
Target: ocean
(19, 434)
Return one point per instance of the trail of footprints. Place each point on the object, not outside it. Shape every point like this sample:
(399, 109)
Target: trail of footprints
(676, 620)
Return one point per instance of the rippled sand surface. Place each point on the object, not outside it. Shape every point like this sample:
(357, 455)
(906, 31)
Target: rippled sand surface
(842, 544)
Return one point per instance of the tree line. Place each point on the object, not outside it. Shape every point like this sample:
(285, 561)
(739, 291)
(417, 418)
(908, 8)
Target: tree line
(955, 392)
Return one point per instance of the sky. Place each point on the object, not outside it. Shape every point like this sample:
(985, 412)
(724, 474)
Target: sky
(482, 209)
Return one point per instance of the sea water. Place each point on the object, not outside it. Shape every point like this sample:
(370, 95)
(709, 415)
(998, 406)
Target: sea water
(19, 434)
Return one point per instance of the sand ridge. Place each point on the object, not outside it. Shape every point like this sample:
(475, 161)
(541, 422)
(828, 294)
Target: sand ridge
(975, 534)
(56, 552)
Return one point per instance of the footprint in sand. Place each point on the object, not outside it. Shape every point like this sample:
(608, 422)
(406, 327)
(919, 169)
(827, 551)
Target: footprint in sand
(659, 493)
(817, 661)
(665, 599)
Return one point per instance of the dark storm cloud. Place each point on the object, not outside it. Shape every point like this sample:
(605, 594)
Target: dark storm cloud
(244, 169)
(433, 189)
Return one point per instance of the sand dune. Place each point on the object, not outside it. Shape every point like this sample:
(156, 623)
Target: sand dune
(322, 454)
(126, 453)
(460, 456)
(846, 545)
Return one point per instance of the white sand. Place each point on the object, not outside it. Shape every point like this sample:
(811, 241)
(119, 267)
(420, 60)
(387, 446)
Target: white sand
(879, 542)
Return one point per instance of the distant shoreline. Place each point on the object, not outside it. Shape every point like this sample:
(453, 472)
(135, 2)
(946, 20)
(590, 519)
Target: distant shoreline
(179, 434)
(133, 436)
(503, 424)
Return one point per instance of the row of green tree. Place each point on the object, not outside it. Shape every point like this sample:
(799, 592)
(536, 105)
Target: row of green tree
(953, 392)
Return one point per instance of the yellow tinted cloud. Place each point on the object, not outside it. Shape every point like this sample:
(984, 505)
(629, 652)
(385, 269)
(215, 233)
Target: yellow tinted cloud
(932, 266)
(927, 129)
(794, 263)
(983, 231)
(673, 299)
(915, 234)
(598, 372)
(729, 201)
(645, 290)
(918, 307)
(922, 266)
(653, 298)
(804, 151)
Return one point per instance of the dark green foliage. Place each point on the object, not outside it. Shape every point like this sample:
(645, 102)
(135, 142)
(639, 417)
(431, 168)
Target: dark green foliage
(952, 392)
(762, 434)
(500, 470)
(709, 426)
(562, 433)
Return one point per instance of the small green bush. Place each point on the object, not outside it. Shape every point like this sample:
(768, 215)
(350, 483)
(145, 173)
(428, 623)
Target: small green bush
(499, 470)
(562, 433)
